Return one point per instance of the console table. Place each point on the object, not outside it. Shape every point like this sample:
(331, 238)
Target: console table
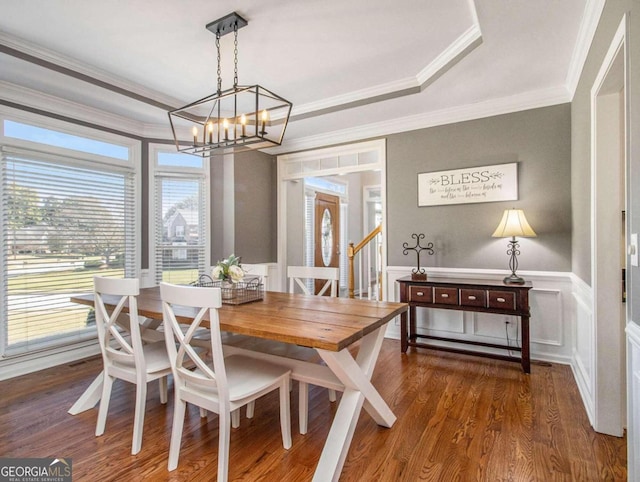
(478, 295)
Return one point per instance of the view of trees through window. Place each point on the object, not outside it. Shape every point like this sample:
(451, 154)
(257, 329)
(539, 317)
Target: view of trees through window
(62, 225)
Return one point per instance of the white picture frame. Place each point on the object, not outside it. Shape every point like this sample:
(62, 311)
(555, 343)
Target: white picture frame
(498, 182)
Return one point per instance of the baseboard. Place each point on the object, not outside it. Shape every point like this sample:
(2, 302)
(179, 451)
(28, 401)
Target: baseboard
(33, 362)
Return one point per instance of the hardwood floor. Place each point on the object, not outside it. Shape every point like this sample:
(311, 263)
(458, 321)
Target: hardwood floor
(459, 418)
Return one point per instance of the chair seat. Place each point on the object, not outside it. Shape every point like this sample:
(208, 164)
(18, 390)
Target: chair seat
(155, 356)
(246, 377)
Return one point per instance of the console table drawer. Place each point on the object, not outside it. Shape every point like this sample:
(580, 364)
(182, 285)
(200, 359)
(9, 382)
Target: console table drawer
(470, 297)
(504, 300)
(446, 296)
(421, 294)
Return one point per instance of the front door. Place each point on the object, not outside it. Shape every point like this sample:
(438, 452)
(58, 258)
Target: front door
(327, 233)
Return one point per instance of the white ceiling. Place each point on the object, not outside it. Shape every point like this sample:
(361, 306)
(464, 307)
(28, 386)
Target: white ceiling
(352, 69)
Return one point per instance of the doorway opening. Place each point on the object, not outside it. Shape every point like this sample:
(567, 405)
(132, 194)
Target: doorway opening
(323, 204)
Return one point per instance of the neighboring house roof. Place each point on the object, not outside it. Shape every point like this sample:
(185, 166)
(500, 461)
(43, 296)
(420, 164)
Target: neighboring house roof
(189, 216)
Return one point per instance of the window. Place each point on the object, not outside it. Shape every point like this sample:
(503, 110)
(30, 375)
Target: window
(64, 220)
(180, 203)
(51, 137)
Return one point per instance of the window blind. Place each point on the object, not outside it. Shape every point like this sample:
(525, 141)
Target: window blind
(180, 237)
(63, 221)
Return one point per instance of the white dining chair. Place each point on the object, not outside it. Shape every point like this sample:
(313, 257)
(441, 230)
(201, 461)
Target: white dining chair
(300, 277)
(130, 359)
(260, 271)
(222, 386)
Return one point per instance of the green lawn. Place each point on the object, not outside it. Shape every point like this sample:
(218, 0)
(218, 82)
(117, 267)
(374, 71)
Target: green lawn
(33, 321)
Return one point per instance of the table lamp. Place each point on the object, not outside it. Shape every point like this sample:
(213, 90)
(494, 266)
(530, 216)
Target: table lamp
(513, 224)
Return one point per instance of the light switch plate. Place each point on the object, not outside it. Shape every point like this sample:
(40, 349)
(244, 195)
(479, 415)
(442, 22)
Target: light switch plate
(633, 249)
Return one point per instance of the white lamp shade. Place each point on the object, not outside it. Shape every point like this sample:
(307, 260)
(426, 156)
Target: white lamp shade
(514, 224)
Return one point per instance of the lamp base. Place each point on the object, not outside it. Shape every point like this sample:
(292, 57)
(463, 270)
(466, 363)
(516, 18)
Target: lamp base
(514, 280)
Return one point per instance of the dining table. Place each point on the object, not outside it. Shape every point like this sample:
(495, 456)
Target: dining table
(329, 325)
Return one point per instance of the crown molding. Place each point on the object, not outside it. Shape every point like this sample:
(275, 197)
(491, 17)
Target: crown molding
(531, 100)
(456, 51)
(88, 72)
(159, 131)
(50, 104)
(590, 19)
(355, 97)
(460, 47)
(504, 105)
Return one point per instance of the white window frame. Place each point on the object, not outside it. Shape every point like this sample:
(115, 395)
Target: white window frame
(29, 361)
(177, 172)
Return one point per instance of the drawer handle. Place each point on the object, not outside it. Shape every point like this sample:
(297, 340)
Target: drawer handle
(472, 298)
(444, 295)
(500, 300)
(420, 293)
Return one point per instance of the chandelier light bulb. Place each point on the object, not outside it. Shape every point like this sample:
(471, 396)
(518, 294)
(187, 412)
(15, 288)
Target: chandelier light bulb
(225, 124)
(265, 118)
(243, 123)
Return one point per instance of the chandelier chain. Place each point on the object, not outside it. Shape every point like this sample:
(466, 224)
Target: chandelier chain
(235, 55)
(219, 71)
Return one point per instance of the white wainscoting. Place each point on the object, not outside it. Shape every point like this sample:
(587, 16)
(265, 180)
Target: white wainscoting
(551, 314)
(583, 358)
(633, 401)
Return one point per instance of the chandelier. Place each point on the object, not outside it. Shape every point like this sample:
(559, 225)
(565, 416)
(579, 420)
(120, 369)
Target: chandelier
(240, 118)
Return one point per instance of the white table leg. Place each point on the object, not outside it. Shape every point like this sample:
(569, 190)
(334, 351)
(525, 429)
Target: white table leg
(356, 376)
(89, 398)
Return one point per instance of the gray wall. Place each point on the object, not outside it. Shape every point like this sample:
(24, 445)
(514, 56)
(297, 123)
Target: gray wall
(255, 207)
(581, 142)
(539, 140)
(295, 223)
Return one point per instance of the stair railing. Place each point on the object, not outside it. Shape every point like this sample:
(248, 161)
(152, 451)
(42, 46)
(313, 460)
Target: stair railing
(352, 251)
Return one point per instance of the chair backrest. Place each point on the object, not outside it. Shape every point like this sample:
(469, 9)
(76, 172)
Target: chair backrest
(116, 349)
(299, 274)
(201, 304)
(257, 271)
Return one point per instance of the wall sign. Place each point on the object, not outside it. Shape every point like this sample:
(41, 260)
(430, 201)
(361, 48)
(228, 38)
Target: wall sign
(472, 185)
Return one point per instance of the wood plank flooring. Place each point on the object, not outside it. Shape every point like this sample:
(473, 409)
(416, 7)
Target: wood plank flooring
(459, 418)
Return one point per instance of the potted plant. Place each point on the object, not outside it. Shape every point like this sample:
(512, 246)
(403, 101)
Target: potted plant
(228, 271)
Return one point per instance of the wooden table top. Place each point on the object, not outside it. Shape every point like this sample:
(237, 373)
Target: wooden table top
(314, 321)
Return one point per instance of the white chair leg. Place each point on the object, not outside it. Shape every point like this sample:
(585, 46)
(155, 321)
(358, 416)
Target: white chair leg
(251, 407)
(104, 404)
(235, 418)
(203, 412)
(179, 409)
(303, 406)
(224, 431)
(332, 395)
(285, 413)
(138, 417)
(162, 385)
